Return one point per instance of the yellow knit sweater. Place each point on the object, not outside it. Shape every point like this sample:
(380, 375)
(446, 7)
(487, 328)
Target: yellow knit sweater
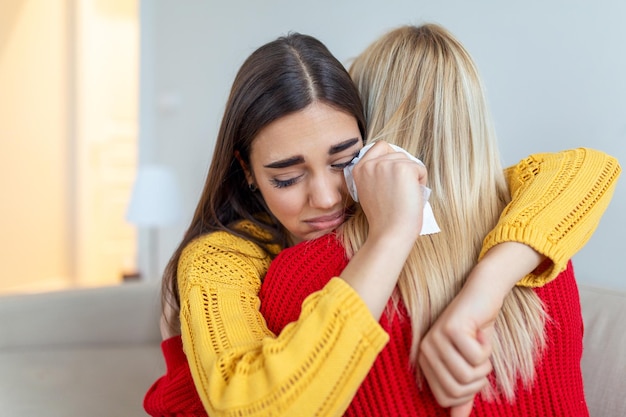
(316, 364)
(557, 202)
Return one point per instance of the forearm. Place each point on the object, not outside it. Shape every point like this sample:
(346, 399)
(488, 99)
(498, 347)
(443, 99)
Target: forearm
(374, 270)
(392, 200)
(314, 366)
(173, 394)
(500, 269)
(454, 353)
(557, 202)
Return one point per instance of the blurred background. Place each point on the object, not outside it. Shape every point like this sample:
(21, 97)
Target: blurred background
(69, 100)
(109, 111)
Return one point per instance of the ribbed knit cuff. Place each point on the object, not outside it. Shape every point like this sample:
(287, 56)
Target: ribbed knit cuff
(537, 240)
(558, 200)
(355, 310)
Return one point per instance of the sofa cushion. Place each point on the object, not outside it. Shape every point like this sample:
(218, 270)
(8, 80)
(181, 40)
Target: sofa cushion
(126, 313)
(604, 354)
(96, 351)
(81, 381)
(80, 352)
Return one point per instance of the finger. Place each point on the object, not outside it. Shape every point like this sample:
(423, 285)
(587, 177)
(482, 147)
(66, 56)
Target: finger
(463, 410)
(461, 372)
(485, 334)
(383, 149)
(423, 175)
(474, 350)
(455, 366)
(447, 390)
(451, 378)
(379, 148)
(452, 394)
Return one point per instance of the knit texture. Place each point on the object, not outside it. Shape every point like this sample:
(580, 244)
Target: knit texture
(173, 395)
(227, 282)
(557, 202)
(390, 388)
(238, 366)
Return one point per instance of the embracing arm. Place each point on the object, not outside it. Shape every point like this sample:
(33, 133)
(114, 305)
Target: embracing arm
(316, 364)
(557, 201)
(173, 394)
(239, 367)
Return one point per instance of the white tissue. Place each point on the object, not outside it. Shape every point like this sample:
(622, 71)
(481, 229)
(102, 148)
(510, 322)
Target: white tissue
(429, 225)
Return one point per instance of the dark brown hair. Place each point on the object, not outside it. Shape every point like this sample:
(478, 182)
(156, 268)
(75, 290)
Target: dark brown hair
(279, 78)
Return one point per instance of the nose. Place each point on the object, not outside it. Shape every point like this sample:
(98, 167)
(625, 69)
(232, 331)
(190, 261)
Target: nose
(327, 190)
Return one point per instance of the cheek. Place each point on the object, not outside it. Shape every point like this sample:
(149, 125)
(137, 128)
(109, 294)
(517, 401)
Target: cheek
(341, 186)
(285, 206)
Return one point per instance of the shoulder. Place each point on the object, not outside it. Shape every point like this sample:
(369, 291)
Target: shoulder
(225, 241)
(573, 160)
(324, 256)
(324, 246)
(223, 256)
(219, 242)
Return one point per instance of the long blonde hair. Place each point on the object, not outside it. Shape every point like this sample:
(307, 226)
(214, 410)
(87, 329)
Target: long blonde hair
(421, 91)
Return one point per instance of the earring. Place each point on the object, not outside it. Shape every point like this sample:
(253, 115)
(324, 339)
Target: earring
(252, 187)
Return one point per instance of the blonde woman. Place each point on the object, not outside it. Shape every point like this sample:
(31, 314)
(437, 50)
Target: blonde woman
(421, 91)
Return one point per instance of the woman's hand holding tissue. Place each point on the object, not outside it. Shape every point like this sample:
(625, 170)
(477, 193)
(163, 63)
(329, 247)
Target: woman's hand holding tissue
(390, 191)
(429, 224)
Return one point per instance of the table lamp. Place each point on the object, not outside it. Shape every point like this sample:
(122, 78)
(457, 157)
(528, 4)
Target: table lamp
(154, 203)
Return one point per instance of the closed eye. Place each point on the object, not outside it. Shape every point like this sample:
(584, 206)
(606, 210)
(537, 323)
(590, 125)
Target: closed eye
(285, 183)
(342, 165)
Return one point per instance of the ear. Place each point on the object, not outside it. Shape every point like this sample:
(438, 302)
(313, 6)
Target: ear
(244, 166)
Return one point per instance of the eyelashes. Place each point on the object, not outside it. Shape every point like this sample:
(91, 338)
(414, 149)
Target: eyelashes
(291, 181)
(347, 163)
(343, 165)
(284, 183)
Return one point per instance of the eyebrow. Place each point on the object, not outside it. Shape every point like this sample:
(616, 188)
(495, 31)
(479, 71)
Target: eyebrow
(342, 146)
(298, 159)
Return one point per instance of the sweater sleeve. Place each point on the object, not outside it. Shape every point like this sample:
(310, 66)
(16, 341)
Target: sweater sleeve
(173, 394)
(239, 367)
(557, 202)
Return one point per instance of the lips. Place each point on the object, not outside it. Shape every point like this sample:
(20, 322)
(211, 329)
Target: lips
(327, 222)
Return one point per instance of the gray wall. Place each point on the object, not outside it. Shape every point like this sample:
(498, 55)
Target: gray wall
(554, 72)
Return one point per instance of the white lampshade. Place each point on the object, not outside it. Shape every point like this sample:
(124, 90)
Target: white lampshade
(155, 200)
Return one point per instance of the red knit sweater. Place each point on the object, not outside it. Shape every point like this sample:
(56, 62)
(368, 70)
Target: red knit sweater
(390, 388)
(174, 394)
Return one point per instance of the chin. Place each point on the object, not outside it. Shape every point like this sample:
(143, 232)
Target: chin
(318, 234)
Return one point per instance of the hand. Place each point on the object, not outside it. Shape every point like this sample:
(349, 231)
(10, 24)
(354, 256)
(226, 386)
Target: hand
(454, 354)
(391, 197)
(390, 192)
(462, 410)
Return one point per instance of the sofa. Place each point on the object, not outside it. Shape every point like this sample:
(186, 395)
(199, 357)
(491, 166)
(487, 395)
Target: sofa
(94, 352)
(82, 352)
